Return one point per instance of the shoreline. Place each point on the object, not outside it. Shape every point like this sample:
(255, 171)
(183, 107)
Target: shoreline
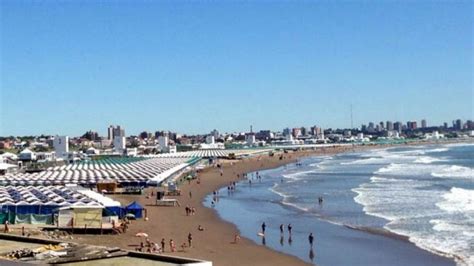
(215, 243)
(372, 230)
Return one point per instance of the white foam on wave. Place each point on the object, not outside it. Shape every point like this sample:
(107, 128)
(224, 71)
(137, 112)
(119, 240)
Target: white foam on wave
(426, 170)
(404, 192)
(454, 171)
(285, 198)
(387, 198)
(438, 150)
(317, 165)
(459, 144)
(447, 244)
(297, 176)
(409, 206)
(373, 160)
(427, 160)
(325, 160)
(458, 200)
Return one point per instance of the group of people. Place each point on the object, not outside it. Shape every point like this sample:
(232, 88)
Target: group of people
(190, 210)
(122, 228)
(231, 187)
(215, 197)
(153, 247)
(320, 200)
(282, 231)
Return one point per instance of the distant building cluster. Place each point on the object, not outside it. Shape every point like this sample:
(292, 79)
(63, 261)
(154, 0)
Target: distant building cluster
(53, 149)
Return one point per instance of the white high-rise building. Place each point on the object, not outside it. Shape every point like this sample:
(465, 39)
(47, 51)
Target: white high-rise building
(119, 144)
(61, 146)
(163, 142)
(250, 139)
(210, 139)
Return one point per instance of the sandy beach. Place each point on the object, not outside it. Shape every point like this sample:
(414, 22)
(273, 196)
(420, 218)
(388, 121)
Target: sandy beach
(215, 243)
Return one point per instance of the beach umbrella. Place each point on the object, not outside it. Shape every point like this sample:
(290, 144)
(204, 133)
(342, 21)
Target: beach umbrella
(141, 235)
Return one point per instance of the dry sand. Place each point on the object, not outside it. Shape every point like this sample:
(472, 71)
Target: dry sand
(215, 243)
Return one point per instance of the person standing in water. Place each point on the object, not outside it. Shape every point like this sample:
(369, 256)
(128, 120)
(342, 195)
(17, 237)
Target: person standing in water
(263, 227)
(311, 239)
(290, 228)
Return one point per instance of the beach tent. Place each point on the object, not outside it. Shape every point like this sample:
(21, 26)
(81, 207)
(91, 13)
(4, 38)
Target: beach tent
(135, 209)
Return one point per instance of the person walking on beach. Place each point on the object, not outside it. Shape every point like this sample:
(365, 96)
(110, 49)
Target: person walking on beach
(289, 228)
(236, 238)
(190, 240)
(172, 246)
(163, 243)
(311, 239)
(263, 227)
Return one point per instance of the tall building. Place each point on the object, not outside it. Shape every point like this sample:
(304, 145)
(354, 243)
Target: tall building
(371, 127)
(286, 132)
(296, 132)
(398, 126)
(412, 125)
(304, 131)
(315, 131)
(119, 144)
(382, 127)
(250, 139)
(210, 139)
(458, 124)
(119, 132)
(163, 142)
(470, 124)
(110, 132)
(389, 125)
(423, 123)
(61, 146)
(115, 131)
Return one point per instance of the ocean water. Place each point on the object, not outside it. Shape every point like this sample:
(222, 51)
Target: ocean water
(425, 193)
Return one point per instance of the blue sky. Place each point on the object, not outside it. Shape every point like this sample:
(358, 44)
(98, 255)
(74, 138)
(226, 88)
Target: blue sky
(194, 66)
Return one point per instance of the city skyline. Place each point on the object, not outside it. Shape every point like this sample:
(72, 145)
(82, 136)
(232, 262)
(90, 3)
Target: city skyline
(385, 125)
(193, 67)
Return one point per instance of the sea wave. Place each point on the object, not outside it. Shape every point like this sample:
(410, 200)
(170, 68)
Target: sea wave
(427, 160)
(297, 175)
(285, 199)
(426, 170)
(454, 171)
(438, 150)
(406, 203)
(458, 200)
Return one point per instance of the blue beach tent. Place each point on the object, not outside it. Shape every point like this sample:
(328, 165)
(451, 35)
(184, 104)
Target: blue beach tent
(135, 209)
